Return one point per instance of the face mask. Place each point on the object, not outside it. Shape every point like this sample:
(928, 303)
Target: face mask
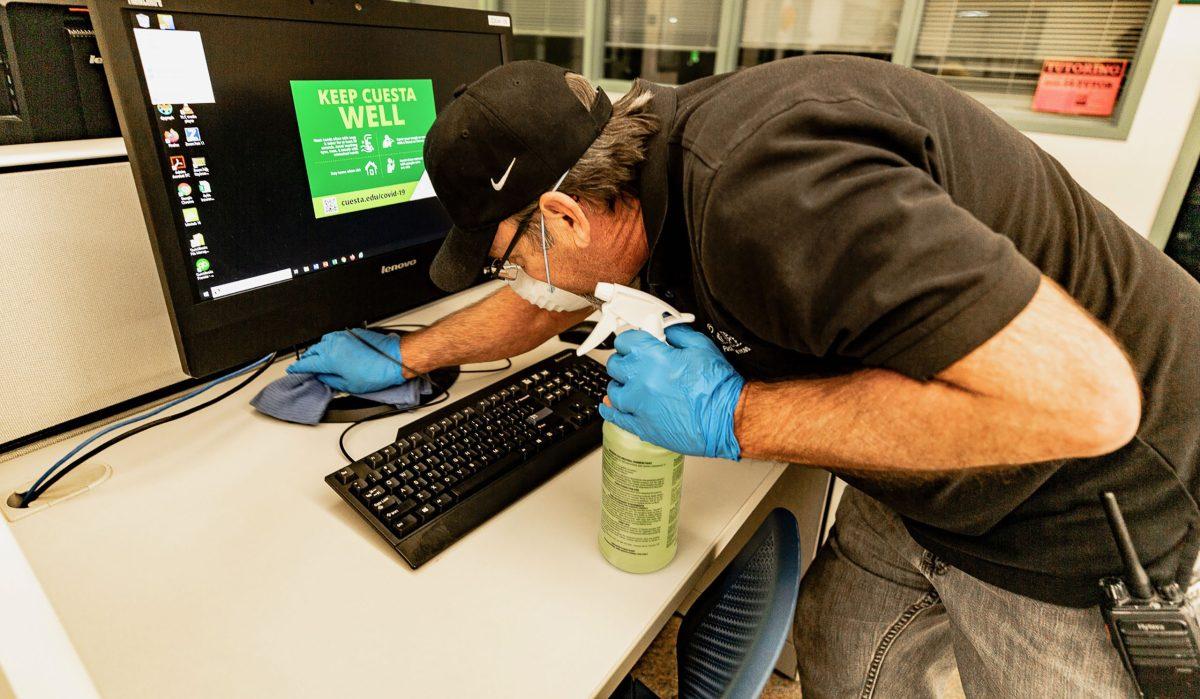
(541, 294)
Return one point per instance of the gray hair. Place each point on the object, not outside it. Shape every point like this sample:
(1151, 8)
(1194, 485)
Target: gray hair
(608, 171)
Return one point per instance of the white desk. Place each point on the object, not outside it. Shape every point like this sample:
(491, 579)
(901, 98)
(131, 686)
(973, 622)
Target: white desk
(217, 563)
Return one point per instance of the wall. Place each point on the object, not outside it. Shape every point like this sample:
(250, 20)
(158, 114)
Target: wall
(1129, 176)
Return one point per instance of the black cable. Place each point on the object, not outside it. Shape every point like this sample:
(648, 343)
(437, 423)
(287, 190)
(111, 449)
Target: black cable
(28, 497)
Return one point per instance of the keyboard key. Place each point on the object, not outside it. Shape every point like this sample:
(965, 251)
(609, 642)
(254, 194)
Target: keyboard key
(437, 487)
(358, 486)
(484, 476)
(391, 484)
(345, 475)
(443, 501)
(423, 496)
(373, 493)
(405, 491)
(374, 476)
(384, 504)
(405, 526)
(427, 511)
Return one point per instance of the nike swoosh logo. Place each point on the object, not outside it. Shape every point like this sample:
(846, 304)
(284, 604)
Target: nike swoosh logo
(504, 178)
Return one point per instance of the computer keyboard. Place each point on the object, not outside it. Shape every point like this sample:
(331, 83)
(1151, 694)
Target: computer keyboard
(451, 471)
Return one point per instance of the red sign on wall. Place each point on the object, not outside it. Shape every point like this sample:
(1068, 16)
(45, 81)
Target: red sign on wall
(1086, 87)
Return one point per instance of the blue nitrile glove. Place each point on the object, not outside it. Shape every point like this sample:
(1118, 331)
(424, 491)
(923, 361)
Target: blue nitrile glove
(344, 364)
(680, 396)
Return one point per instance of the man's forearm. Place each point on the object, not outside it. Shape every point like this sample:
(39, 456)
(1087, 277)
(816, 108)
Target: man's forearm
(501, 325)
(879, 420)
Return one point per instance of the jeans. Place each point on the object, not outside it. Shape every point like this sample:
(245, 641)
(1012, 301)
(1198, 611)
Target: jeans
(879, 616)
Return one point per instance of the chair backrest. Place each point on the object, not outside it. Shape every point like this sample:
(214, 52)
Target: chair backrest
(733, 634)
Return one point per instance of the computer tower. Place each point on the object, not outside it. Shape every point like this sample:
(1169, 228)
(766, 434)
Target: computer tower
(52, 83)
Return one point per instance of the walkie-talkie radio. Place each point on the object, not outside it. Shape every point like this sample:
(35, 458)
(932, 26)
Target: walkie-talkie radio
(1154, 630)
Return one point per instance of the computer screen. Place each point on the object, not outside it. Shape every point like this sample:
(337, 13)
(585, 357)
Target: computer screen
(277, 147)
(278, 168)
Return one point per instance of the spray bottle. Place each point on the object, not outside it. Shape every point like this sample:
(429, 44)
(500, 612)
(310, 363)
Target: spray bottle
(641, 483)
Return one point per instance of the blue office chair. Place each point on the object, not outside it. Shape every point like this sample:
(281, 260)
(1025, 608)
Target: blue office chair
(733, 634)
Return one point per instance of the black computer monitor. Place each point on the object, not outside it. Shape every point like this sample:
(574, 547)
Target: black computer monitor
(276, 146)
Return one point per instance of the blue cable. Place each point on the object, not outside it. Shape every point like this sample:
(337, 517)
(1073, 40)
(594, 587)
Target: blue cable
(138, 418)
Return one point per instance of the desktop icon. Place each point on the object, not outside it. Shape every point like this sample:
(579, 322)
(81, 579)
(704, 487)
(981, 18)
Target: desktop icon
(164, 109)
(178, 163)
(192, 134)
(191, 215)
(197, 241)
(352, 258)
(166, 22)
(305, 268)
(343, 260)
(325, 263)
(143, 20)
(202, 265)
(200, 163)
(185, 190)
(186, 111)
(170, 137)
(333, 262)
(204, 187)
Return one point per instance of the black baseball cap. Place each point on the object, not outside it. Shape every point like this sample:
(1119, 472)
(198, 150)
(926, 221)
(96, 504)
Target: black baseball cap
(502, 142)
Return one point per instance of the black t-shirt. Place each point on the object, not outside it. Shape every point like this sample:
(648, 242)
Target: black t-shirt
(824, 214)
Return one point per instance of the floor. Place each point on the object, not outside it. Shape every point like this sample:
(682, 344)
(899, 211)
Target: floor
(656, 669)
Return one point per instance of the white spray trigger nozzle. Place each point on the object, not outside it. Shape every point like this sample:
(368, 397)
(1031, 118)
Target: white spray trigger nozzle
(625, 308)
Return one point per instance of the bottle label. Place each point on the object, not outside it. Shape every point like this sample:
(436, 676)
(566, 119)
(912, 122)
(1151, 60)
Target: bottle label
(640, 510)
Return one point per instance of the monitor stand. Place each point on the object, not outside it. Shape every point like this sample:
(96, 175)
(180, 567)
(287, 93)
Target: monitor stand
(353, 408)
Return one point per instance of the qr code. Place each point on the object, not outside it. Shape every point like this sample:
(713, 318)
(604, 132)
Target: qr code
(330, 204)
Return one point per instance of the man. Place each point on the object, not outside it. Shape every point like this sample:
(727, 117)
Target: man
(902, 289)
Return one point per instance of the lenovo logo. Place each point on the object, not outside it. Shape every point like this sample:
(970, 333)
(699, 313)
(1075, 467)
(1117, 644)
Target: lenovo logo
(95, 60)
(388, 269)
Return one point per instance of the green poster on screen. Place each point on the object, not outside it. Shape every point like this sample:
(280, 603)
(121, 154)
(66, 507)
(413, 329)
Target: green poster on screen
(362, 141)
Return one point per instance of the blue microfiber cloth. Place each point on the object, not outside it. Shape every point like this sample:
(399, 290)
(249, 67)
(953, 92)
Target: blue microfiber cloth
(302, 398)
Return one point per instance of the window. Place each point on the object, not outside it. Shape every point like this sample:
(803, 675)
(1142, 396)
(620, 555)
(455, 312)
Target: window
(995, 48)
(773, 29)
(667, 41)
(548, 30)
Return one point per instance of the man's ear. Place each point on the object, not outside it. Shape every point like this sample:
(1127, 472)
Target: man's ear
(566, 218)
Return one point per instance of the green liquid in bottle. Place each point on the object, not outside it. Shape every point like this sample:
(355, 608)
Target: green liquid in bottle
(639, 502)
